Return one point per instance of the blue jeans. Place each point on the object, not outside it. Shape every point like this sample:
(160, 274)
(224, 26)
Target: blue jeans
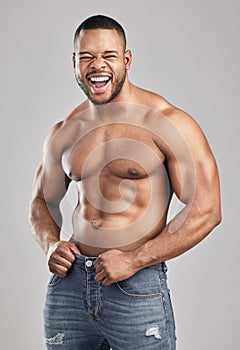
(82, 314)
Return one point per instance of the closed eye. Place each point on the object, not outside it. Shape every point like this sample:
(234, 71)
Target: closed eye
(110, 57)
(86, 58)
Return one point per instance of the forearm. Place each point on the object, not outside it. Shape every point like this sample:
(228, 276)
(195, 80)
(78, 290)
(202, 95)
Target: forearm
(45, 221)
(186, 230)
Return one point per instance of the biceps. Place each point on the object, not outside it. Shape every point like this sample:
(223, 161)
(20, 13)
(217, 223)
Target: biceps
(182, 173)
(194, 176)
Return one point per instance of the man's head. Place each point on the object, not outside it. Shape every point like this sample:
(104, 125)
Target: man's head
(100, 22)
(100, 58)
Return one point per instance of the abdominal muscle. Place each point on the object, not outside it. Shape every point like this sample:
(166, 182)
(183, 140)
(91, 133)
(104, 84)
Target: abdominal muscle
(90, 250)
(133, 219)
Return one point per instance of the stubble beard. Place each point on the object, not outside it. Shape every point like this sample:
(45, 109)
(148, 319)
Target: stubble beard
(118, 87)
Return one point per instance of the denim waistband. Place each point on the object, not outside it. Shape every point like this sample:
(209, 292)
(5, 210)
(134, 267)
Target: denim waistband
(82, 261)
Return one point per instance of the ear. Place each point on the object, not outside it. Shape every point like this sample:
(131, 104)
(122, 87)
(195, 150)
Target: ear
(128, 59)
(73, 60)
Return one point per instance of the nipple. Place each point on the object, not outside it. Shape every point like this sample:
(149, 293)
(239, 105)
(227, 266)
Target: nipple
(132, 171)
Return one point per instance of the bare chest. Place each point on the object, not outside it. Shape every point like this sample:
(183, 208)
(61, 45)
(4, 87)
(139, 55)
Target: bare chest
(124, 151)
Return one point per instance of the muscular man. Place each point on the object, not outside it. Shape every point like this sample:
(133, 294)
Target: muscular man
(128, 150)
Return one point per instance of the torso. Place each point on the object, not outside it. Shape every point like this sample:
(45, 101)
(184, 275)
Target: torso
(115, 157)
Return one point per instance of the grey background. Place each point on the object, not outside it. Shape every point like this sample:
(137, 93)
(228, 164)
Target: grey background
(188, 51)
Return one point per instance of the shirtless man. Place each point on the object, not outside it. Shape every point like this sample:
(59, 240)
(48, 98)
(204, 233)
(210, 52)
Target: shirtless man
(128, 150)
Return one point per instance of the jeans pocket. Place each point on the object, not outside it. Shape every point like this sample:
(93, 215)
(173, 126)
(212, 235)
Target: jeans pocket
(54, 280)
(144, 284)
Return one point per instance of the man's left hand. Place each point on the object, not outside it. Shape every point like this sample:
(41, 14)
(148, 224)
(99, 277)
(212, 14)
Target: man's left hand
(113, 266)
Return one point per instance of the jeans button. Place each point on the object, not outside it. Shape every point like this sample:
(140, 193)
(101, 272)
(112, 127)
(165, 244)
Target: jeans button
(89, 263)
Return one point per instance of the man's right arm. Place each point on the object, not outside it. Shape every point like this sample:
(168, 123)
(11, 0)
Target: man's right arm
(50, 186)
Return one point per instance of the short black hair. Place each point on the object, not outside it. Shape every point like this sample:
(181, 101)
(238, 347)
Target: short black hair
(103, 22)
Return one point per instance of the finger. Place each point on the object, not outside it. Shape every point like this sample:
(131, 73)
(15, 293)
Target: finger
(98, 263)
(66, 253)
(107, 281)
(58, 260)
(59, 270)
(74, 248)
(100, 276)
(99, 267)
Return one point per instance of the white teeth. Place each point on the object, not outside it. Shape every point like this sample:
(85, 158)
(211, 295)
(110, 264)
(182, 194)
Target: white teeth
(99, 79)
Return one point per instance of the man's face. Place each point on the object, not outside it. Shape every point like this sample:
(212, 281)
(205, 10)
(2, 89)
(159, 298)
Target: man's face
(101, 64)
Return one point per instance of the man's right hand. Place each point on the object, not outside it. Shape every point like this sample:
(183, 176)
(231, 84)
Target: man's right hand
(60, 257)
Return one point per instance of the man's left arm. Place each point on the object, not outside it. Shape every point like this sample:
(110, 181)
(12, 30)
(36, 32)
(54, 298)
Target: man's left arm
(194, 177)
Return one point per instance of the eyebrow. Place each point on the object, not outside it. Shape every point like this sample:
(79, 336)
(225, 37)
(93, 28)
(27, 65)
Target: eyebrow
(89, 53)
(84, 53)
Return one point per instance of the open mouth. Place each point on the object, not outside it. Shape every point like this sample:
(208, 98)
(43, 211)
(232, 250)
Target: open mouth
(99, 83)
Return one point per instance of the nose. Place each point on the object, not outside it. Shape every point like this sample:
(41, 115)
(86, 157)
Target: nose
(98, 63)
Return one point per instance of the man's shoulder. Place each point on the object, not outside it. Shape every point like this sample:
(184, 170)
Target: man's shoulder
(159, 104)
(60, 134)
(181, 119)
(77, 111)
(64, 125)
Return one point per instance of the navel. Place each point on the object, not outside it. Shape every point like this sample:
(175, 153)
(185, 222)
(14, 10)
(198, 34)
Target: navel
(96, 224)
(133, 172)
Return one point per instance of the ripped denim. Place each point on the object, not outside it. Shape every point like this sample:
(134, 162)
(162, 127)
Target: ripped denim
(82, 314)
